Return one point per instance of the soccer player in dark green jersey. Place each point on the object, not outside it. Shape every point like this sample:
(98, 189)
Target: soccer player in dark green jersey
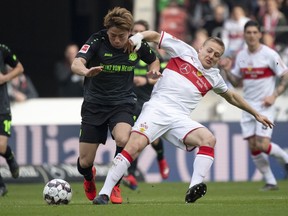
(7, 57)
(109, 99)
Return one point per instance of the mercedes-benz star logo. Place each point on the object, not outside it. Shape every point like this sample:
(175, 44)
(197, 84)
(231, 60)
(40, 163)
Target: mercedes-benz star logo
(185, 68)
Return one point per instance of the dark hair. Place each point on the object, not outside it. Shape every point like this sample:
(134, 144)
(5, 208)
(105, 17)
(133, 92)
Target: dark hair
(143, 23)
(120, 18)
(252, 23)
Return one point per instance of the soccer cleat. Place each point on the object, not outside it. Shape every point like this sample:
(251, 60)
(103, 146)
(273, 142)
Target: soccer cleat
(164, 168)
(115, 196)
(269, 187)
(14, 167)
(102, 199)
(90, 187)
(3, 191)
(130, 181)
(195, 192)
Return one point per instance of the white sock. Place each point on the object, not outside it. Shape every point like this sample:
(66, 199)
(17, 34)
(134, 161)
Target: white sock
(279, 153)
(261, 162)
(119, 166)
(201, 166)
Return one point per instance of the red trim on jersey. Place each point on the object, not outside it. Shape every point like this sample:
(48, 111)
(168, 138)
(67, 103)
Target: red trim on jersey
(256, 73)
(190, 72)
(206, 150)
(256, 152)
(269, 149)
(127, 156)
(160, 41)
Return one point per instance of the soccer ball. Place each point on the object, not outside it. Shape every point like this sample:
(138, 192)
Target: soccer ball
(57, 191)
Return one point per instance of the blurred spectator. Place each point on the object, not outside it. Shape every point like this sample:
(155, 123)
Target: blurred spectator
(200, 36)
(214, 25)
(232, 33)
(268, 40)
(202, 11)
(273, 19)
(173, 20)
(21, 89)
(69, 84)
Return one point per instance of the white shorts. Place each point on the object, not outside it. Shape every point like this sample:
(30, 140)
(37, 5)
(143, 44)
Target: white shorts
(169, 123)
(250, 126)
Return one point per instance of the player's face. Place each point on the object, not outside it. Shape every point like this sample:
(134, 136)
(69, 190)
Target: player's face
(252, 36)
(210, 53)
(118, 37)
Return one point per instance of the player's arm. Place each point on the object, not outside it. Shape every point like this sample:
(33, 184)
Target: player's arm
(283, 83)
(238, 101)
(226, 65)
(281, 87)
(14, 72)
(136, 40)
(79, 67)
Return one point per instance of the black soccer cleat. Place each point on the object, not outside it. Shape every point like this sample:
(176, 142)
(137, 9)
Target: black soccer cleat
(3, 191)
(14, 167)
(102, 199)
(195, 192)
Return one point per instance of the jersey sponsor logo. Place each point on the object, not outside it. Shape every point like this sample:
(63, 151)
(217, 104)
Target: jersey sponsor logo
(185, 68)
(191, 73)
(108, 54)
(84, 48)
(133, 56)
(143, 127)
(256, 73)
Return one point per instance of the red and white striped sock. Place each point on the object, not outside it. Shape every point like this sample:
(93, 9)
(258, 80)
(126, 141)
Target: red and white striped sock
(119, 166)
(202, 164)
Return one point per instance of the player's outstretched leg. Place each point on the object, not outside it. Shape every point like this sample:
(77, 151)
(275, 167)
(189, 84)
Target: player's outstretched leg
(195, 192)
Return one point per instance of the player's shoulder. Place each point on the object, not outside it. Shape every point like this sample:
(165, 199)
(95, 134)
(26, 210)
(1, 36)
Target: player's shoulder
(4, 47)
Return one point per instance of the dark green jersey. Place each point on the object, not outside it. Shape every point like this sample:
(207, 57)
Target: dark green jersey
(113, 85)
(6, 58)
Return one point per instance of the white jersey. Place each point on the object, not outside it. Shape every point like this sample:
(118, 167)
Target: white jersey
(176, 94)
(258, 71)
(184, 81)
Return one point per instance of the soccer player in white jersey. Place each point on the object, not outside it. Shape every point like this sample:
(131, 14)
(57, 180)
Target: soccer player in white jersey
(257, 67)
(187, 77)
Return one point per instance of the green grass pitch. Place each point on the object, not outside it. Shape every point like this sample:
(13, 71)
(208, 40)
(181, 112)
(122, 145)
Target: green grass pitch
(161, 199)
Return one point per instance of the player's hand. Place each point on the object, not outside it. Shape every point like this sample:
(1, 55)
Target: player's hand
(93, 71)
(269, 100)
(264, 120)
(225, 64)
(136, 41)
(154, 75)
(140, 81)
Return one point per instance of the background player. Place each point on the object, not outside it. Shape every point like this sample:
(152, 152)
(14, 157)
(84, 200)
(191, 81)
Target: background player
(257, 67)
(7, 57)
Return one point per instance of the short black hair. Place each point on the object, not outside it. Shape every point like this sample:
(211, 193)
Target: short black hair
(252, 23)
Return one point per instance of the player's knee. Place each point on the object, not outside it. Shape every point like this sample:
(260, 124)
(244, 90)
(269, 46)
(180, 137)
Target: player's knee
(83, 163)
(210, 141)
(121, 141)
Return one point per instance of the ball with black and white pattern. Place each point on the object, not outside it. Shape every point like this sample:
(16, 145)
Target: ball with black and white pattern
(57, 191)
